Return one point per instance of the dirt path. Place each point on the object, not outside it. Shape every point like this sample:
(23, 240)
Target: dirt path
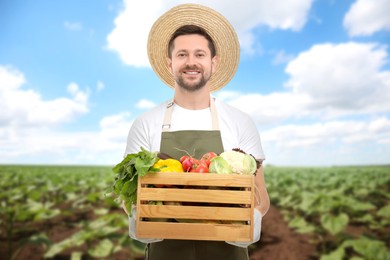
(278, 241)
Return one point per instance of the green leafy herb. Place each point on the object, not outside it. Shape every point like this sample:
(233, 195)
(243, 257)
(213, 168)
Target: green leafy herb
(134, 165)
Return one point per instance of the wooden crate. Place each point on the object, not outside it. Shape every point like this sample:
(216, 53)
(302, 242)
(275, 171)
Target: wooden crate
(195, 206)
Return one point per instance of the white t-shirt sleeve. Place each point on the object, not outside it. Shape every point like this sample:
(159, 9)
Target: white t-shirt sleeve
(137, 138)
(146, 131)
(250, 139)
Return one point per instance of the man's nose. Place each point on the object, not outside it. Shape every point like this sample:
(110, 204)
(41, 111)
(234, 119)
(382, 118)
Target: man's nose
(191, 59)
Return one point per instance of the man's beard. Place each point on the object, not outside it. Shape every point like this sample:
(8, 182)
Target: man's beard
(193, 86)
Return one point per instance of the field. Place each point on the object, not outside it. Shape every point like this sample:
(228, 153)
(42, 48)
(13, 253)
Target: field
(66, 212)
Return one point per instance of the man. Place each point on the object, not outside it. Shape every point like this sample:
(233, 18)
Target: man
(195, 50)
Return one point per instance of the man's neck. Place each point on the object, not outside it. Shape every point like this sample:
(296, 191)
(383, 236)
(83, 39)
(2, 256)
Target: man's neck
(192, 100)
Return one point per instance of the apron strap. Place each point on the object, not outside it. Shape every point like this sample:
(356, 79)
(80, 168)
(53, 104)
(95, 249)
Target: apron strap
(214, 115)
(168, 116)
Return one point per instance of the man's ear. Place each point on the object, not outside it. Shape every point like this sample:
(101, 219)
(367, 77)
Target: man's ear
(169, 64)
(214, 63)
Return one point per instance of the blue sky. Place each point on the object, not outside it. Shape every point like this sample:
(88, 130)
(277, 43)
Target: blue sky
(314, 76)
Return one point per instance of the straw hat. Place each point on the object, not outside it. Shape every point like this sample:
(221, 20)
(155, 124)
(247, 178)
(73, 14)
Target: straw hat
(218, 27)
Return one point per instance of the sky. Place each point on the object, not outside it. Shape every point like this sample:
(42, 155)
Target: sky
(314, 75)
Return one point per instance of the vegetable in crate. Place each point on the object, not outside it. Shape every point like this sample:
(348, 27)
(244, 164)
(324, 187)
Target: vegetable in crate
(188, 162)
(199, 166)
(220, 165)
(240, 162)
(127, 173)
(168, 165)
(234, 161)
(207, 157)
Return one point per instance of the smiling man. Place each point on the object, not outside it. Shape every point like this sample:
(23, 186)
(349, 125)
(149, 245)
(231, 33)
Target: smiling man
(195, 51)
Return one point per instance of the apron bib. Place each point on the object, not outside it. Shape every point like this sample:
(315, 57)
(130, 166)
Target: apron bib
(196, 143)
(193, 142)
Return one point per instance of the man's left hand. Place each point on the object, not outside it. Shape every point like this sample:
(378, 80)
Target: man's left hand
(257, 218)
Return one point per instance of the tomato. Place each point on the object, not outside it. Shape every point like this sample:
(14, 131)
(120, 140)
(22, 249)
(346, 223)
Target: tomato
(200, 166)
(208, 156)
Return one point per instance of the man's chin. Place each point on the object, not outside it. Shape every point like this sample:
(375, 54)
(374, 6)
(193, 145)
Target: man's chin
(191, 88)
(191, 85)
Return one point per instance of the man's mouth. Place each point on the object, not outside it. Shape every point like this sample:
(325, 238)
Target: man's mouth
(191, 72)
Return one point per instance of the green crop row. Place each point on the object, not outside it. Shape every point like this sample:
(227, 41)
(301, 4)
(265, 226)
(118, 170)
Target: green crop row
(330, 202)
(74, 198)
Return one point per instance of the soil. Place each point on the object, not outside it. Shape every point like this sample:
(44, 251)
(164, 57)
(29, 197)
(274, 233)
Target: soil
(277, 241)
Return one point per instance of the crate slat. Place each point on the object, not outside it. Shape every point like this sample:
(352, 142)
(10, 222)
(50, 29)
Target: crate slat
(194, 212)
(199, 231)
(197, 179)
(195, 195)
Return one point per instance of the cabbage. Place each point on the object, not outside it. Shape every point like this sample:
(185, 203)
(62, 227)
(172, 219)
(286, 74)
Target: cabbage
(240, 163)
(220, 165)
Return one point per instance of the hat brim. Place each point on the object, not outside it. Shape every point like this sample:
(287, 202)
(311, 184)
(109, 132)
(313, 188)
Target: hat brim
(218, 27)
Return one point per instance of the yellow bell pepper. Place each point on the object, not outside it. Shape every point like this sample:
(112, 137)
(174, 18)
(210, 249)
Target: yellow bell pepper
(168, 165)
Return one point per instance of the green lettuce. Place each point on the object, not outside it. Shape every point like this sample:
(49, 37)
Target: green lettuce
(240, 163)
(220, 165)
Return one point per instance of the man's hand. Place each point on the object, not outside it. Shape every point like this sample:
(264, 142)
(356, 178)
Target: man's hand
(256, 231)
(132, 228)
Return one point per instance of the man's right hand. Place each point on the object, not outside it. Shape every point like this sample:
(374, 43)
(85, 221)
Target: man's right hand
(132, 228)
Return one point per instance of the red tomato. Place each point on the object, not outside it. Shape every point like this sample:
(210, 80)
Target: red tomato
(200, 166)
(208, 156)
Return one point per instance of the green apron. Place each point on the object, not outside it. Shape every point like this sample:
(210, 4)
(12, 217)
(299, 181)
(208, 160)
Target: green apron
(195, 143)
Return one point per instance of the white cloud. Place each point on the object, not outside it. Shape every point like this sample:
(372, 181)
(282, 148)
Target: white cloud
(73, 26)
(30, 127)
(282, 15)
(78, 95)
(26, 108)
(342, 78)
(378, 125)
(272, 108)
(333, 141)
(281, 57)
(292, 136)
(129, 37)
(105, 146)
(132, 25)
(100, 86)
(326, 82)
(145, 104)
(306, 124)
(115, 127)
(11, 78)
(366, 17)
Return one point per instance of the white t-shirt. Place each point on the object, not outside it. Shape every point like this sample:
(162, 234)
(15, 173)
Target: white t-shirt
(237, 128)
